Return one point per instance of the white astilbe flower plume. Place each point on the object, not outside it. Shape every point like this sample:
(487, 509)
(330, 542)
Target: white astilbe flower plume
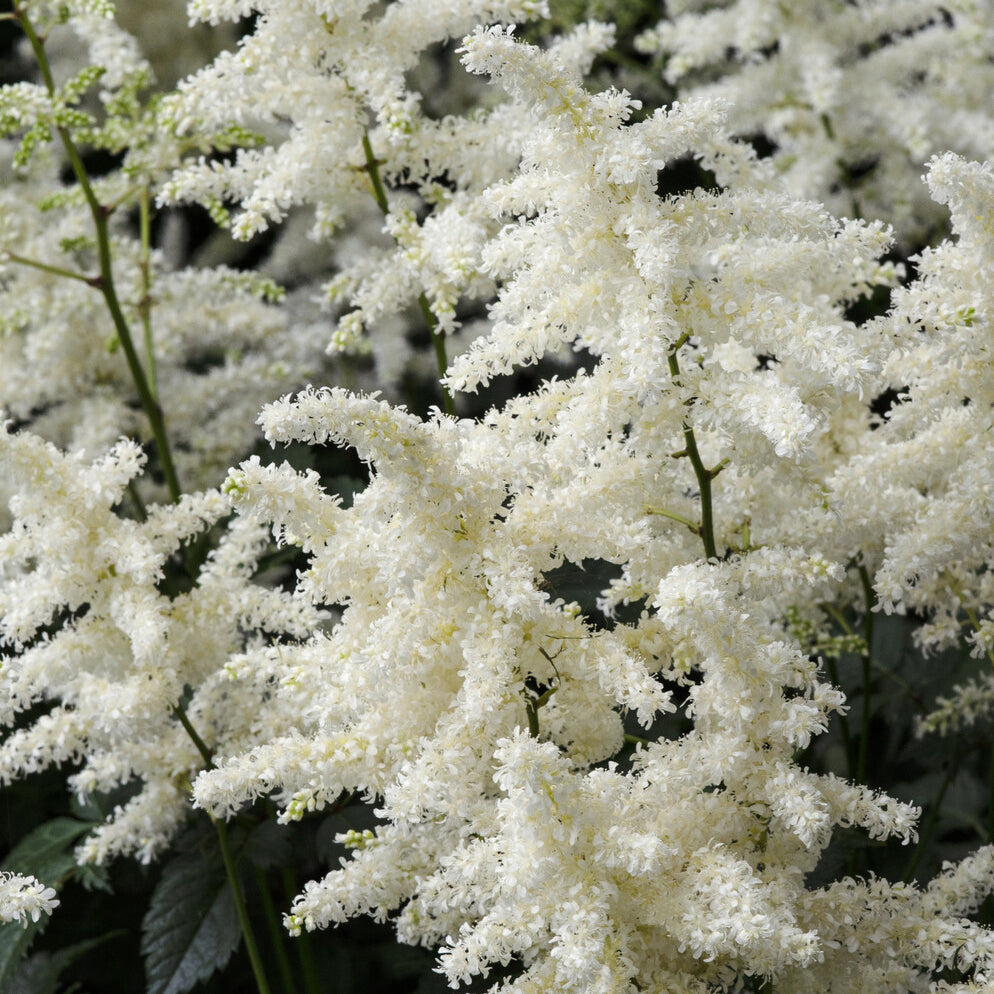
(485, 715)
(220, 346)
(591, 793)
(116, 667)
(214, 344)
(347, 57)
(23, 897)
(851, 98)
(922, 481)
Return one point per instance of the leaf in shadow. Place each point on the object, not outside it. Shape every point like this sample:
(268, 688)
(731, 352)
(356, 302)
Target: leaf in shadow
(191, 926)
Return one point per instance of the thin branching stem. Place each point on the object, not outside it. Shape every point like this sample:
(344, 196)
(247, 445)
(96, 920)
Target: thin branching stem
(277, 936)
(145, 304)
(231, 870)
(248, 935)
(105, 281)
(302, 943)
(437, 338)
(703, 474)
(662, 512)
(69, 274)
(636, 740)
(870, 599)
(205, 754)
(136, 499)
(928, 828)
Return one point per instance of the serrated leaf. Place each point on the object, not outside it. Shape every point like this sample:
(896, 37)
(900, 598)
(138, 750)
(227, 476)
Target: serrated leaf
(39, 974)
(15, 940)
(46, 854)
(92, 877)
(191, 926)
(36, 974)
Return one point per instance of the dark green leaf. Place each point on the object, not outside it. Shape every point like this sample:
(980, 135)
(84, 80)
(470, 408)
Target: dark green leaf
(92, 877)
(191, 926)
(45, 853)
(14, 942)
(267, 845)
(400, 962)
(39, 974)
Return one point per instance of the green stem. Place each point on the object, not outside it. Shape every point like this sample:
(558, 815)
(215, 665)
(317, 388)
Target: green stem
(305, 950)
(663, 513)
(836, 615)
(704, 475)
(864, 735)
(205, 754)
(373, 169)
(23, 260)
(231, 870)
(635, 740)
(532, 711)
(277, 936)
(105, 282)
(929, 827)
(136, 499)
(437, 339)
(261, 983)
(441, 359)
(145, 305)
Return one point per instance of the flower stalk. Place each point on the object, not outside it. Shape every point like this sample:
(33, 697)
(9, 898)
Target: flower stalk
(437, 338)
(703, 474)
(105, 281)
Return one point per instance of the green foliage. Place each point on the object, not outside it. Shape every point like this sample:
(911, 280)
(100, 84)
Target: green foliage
(45, 853)
(191, 927)
(40, 973)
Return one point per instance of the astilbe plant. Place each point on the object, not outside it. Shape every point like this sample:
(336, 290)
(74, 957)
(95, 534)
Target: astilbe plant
(850, 98)
(70, 355)
(618, 791)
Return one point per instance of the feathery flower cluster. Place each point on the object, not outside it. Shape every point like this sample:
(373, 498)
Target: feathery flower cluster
(213, 341)
(123, 651)
(609, 793)
(494, 812)
(348, 60)
(23, 897)
(219, 345)
(852, 97)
